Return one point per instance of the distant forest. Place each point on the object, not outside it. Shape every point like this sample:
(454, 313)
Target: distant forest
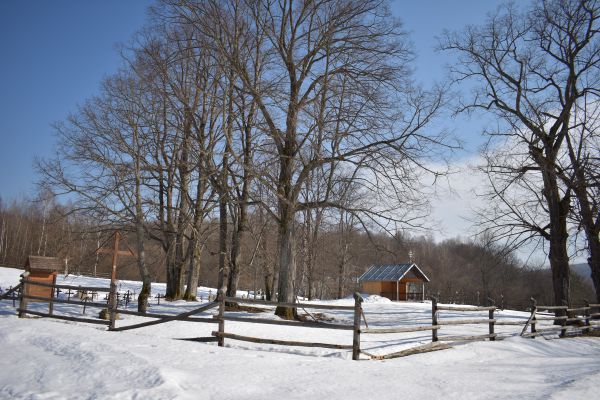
(460, 271)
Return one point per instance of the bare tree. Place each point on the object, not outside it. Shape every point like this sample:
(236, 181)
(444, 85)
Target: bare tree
(530, 69)
(581, 174)
(347, 58)
(100, 158)
(184, 88)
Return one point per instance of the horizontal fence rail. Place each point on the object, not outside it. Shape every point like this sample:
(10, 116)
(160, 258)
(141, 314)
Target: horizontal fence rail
(435, 310)
(321, 325)
(564, 323)
(400, 330)
(458, 308)
(66, 317)
(72, 287)
(63, 301)
(490, 336)
(291, 305)
(280, 342)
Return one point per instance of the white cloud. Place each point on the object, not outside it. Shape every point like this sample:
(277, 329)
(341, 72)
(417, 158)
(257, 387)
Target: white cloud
(456, 198)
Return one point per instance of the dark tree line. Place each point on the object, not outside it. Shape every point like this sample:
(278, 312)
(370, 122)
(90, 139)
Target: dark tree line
(469, 272)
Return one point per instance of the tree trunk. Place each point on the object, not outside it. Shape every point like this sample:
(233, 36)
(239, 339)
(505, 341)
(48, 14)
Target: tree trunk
(594, 263)
(268, 281)
(310, 278)
(587, 215)
(141, 259)
(234, 272)
(287, 264)
(174, 287)
(223, 264)
(558, 210)
(191, 288)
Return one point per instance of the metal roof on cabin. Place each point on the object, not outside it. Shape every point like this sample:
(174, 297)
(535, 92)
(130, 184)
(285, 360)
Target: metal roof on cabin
(390, 272)
(43, 263)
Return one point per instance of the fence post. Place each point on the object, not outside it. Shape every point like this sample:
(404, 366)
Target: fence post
(434, 319)
(23, 301)
(356, 336)
(563, 332)
(587, 316)
(533, 312)
(112, 305)
(52, 291)
(221, 339)
(491, 323)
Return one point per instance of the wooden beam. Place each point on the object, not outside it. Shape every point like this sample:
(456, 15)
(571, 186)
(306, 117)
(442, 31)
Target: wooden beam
(62, 301)
(465, 321)
(538, 318)
(281, 342)
(161, 316)
(401, 330)
(167, 319)
(200, 339)
(86, 288)
(67, 318)
(511, 322)
(578, 309)
(434, 346)
(284, 322)
(356, 327)
(466, 338)
(552, 308)
(446, 308)
(294, 305)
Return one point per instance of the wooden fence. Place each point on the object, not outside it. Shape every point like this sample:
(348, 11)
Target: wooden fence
(221, 335)
(585, 320)
(52, 299)
(358, 316)
(111, 306)
(567, 320)
(13, 293)
(436, 321)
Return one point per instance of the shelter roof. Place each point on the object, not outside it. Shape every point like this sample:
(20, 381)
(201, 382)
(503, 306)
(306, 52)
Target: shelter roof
(391, 273)
(43, 263)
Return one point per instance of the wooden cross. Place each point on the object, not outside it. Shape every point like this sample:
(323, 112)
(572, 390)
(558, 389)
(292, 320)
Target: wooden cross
(116, 253)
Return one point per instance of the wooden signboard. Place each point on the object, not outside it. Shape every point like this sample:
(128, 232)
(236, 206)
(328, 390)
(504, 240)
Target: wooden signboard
(42, 270)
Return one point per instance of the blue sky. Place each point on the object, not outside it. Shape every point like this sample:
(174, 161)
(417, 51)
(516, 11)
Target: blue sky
(53, 55)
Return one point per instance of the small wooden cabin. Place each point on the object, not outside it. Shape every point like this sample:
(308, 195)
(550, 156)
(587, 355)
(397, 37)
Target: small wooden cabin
(44, 270)
(395, 281)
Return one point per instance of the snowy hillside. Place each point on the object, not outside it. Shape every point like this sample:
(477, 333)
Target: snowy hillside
(51, 359)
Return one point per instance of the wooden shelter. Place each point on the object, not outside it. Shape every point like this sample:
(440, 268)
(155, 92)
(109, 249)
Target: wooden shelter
(44, 270)
(395, 281)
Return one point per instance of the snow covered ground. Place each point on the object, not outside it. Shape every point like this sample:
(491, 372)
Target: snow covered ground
(52, 359)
